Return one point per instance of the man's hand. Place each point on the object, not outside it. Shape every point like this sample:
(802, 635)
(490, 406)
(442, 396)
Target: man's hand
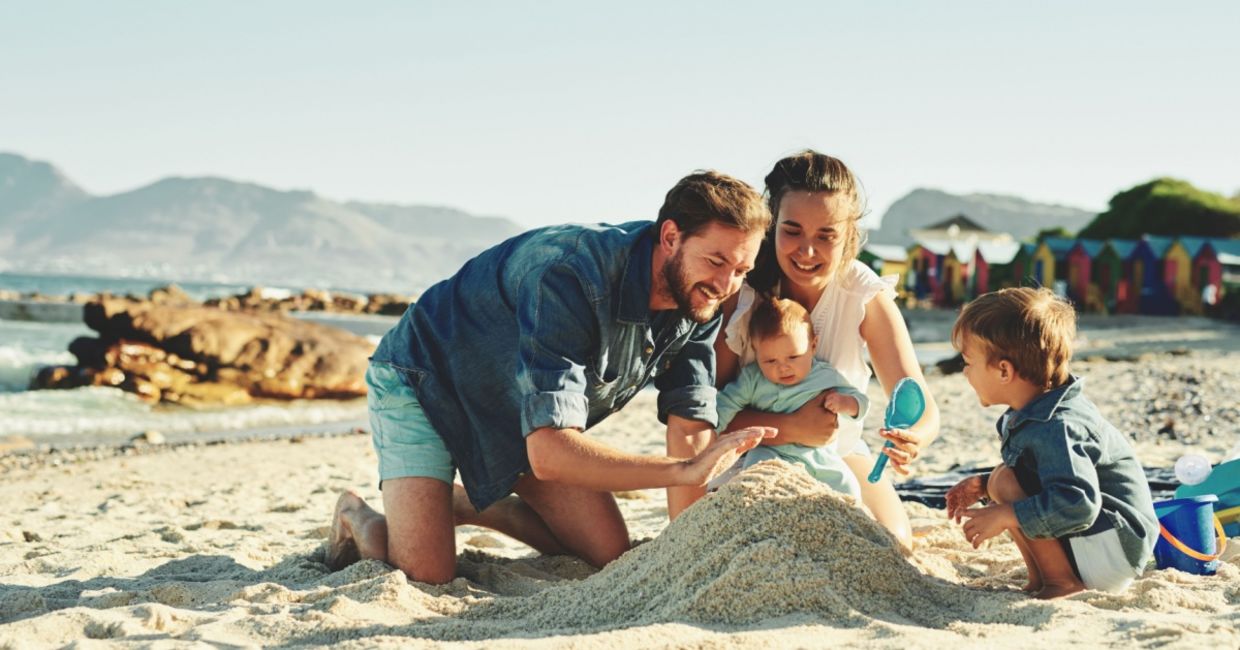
(984, 523)
(841, 404)
(722, 454)
(963, 495)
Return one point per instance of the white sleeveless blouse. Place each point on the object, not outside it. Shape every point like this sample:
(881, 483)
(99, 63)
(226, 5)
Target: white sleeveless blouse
(837, 322)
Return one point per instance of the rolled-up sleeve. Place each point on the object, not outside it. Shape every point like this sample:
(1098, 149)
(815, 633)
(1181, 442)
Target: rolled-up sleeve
(687, 389)
(556, 326)
(1070, 499)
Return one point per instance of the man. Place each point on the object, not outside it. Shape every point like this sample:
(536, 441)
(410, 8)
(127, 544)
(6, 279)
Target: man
(498, 370)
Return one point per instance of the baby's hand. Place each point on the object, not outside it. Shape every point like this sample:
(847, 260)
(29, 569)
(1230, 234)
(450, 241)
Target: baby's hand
(842, 404)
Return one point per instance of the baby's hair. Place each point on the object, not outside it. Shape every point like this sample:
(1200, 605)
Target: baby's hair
(1032, 329)
(773, 317)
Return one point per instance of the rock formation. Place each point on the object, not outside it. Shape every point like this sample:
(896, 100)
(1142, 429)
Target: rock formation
(172, 349)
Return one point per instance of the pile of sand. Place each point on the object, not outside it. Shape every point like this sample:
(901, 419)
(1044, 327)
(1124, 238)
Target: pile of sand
(770, 544)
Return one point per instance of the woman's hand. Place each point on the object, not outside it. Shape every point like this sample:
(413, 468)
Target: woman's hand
(722, 454)
(963, 495)
(907, 446)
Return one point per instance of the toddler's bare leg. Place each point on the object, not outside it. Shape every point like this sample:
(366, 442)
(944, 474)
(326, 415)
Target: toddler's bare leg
(1050, 571)
(998, 486)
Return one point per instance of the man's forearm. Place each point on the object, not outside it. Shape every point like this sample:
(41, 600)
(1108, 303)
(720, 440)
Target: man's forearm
(685, 439)
(568, 456)
(788, 434)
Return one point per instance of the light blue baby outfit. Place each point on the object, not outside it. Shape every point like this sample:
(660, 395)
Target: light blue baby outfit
(753, 390)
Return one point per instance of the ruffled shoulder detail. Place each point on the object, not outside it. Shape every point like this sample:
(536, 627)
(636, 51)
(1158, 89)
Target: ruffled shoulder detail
(736, 331)
(864, 282)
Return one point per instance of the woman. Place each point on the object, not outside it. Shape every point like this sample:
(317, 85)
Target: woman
(810, 256)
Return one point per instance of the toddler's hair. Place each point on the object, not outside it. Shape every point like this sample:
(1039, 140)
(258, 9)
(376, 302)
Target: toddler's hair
(1032, 329)
(773, 317)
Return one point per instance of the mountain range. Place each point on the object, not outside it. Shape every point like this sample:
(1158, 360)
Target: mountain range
(214, 229)
(1016, 216)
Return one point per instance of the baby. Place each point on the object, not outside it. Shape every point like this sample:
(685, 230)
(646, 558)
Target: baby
(1070, 491)
(784, 376)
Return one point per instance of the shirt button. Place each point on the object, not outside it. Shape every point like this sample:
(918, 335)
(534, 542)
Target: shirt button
(649, 349)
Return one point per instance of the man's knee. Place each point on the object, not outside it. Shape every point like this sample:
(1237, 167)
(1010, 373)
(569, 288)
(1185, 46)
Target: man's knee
(1002, 486)
(434, 573)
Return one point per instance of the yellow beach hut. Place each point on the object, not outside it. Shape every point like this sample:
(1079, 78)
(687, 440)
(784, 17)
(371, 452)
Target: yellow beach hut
(1178, 273)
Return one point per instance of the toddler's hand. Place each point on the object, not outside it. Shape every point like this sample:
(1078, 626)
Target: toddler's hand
(984, 523)
(964, 494)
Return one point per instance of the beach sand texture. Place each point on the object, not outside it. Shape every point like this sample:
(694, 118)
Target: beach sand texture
(220, 545)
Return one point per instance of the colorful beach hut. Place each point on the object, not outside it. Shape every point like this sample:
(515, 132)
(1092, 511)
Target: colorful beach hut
(1042, 272)
(925, 269)
(1078, 263)
(1149, 276)
(1179, 273)
(1023, 267)
(1217, 267)
(1049, 260)
(993, 266)
(1111, 269)
(957, 273)
(887, 260)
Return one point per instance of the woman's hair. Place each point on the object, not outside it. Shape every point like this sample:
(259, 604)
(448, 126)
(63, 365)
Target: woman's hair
(772, 317)
(706, 197)
(1032, 329)
(808, 171)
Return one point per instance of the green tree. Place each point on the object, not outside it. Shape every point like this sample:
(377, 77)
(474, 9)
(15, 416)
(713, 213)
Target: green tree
(1057, 231)
(1166, 206)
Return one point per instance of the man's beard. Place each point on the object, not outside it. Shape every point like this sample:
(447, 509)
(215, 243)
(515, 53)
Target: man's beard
(681, 291)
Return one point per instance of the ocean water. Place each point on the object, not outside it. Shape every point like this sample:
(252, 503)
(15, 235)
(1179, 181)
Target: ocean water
(98, 415)
(63, 285)
(102, 415)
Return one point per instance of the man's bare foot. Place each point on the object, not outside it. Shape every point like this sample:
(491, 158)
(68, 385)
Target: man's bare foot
(1053, 590)
(1034, 585)
(358, 532)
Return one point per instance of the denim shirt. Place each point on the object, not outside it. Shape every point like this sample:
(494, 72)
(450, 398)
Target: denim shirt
(551, 328)
(1087, 478)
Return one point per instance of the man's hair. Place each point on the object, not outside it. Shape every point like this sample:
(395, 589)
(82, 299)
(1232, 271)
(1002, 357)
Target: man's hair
(809, 171)
(773, 317)
(1032, 329)
(706, 197)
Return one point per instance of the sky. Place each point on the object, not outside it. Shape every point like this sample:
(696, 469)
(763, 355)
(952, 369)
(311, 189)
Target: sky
(552, 112)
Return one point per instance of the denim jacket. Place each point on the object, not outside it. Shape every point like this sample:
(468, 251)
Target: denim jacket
(551, 328)
(1086, 478)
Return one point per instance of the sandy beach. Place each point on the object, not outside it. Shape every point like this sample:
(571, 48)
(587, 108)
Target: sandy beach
(220, 545)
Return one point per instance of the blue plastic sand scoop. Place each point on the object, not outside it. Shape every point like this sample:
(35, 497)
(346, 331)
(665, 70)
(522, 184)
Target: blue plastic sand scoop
(903, 411)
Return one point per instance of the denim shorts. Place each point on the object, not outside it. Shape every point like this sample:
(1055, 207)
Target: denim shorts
(404, 440)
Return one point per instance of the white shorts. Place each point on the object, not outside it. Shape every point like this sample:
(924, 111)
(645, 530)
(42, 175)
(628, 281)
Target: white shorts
(1102, 563)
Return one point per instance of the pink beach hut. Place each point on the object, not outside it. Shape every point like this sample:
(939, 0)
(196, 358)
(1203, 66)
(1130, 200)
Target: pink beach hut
(1079, 276)
(993, 266)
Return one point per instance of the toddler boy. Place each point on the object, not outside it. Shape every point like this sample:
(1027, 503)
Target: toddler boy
(1070, 491)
